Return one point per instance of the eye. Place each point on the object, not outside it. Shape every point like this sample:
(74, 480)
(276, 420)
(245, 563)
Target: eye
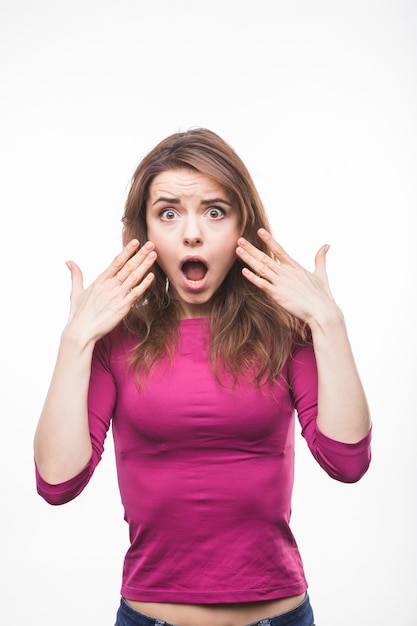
(215, 213)
(167, 214)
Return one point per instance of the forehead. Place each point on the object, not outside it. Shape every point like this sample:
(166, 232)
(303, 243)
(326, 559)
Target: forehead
(184, 183)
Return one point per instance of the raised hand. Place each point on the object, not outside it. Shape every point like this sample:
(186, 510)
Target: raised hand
(95, 310)
(302, 293)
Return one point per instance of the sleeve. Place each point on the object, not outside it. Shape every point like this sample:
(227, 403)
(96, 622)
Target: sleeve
(346, 462)
(101, 402)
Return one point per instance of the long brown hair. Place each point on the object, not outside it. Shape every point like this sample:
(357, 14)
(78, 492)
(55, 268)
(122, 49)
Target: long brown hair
(249, 333)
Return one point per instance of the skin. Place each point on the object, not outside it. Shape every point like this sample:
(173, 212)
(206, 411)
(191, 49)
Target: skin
(184, 222)
(189, 215)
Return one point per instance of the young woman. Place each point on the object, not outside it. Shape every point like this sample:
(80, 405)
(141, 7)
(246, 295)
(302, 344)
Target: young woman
(199, 344)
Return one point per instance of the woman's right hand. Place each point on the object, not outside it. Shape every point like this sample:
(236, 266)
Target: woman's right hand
(62, 441)
(97, 309)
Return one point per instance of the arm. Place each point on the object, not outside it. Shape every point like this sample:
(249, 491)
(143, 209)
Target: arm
(346, 462)
(343, 413)
(62, 440)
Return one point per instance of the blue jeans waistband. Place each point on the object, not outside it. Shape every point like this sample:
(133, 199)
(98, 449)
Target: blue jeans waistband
(301, 615)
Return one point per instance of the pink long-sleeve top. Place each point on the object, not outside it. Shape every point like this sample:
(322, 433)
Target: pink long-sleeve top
(206, 471)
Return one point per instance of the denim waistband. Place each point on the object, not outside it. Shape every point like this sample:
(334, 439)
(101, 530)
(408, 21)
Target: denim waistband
(127, 616)
(301, 615)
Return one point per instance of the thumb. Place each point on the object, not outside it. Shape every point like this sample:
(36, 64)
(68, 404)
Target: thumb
(76, 278)
(320, 268)
(320, 261)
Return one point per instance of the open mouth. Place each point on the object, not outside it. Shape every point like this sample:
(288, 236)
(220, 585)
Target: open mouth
(194, 270)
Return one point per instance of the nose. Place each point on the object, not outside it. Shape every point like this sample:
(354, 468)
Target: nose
(192, 241)
(192, 232)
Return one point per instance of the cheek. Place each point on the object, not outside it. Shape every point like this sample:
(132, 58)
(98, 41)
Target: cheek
(165, 257)
(226, 259)
(229, 251)
(162, 241)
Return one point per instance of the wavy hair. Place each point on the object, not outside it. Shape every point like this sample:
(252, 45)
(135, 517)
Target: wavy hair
(250, 334)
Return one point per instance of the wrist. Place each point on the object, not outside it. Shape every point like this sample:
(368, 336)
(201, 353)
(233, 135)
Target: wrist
(328, 319)
(74, 340)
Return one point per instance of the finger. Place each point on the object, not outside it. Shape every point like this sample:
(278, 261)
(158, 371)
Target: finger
(76, 278)
(320, 268)
(121, 259)
(320, 262)
(262, 264)
(277, 250)
(134, 271)
(138, 290)
(144, 255)
(257, 280)
(137, 274)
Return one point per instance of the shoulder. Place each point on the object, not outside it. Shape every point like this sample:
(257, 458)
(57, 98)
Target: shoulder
(118, 342)
(302, 358)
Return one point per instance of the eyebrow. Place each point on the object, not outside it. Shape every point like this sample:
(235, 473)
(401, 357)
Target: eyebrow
(203, 202)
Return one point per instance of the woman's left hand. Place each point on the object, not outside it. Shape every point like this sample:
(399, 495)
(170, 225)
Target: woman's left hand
(300, 292)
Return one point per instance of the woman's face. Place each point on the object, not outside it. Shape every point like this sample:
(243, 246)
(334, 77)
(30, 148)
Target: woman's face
(194, 225)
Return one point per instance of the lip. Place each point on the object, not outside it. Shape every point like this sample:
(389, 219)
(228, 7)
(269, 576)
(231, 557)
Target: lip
(194, 285)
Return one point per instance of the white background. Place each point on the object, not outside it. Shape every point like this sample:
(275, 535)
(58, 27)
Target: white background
(319, 98)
